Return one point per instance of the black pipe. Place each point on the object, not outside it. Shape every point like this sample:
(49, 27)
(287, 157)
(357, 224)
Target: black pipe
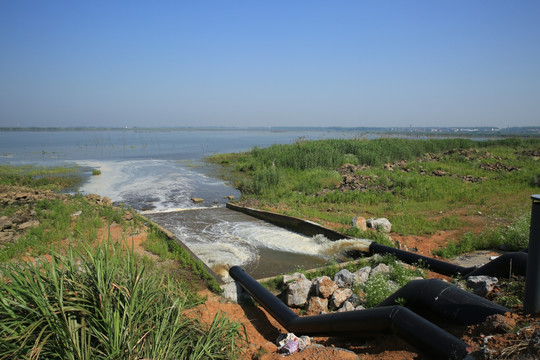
(417, 331)
(444, 299)
(439, 266)
(531, 302)
(514, 263)
(503, 266)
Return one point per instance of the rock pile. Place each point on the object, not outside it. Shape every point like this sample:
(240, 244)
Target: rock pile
(399, 165)
(498, 166)
(14, 226)
(323, 294)
(351, 180)
(10, 195)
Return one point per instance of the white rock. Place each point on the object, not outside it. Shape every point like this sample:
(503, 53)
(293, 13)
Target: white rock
(362, 275)
(380, 269)
(297, 292)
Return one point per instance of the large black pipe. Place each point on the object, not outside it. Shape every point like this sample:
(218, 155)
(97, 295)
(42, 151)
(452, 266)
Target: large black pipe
(417, 331)
(446, 300)
(439, 266)
(503, 266)
(531, 302)
(514, 263)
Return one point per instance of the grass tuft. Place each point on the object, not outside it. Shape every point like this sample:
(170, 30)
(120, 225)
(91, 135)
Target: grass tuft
(101, 303)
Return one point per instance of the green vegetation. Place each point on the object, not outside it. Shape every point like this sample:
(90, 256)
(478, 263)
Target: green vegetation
(96, 299)
(421, 186)
(96, 172)
(56, 179)
(55, 218)
(514, 237)
(510, 292)
(102, 303)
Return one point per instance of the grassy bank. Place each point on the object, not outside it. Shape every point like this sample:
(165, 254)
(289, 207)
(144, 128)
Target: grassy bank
(421, 186)
(70, 290)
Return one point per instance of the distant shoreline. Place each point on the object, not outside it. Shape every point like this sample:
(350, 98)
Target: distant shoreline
(533, 131)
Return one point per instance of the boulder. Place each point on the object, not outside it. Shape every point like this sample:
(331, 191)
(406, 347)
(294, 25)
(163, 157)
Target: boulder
(344, 278)
(481, 285)
(346, 306)
(27, 225)
(297, 293)
(340, 296)
(324, 286)
(354, 299)
(380, 269)
(21, 196)
(5, 223)
(6, 237)
(362, 275)
(317, 305)
(21, 217)
(197, 200)
(359, 223)
(380, 224)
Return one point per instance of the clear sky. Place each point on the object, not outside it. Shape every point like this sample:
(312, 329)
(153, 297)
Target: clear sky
(270, 63)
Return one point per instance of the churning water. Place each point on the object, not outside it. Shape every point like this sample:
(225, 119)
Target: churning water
(157, 173)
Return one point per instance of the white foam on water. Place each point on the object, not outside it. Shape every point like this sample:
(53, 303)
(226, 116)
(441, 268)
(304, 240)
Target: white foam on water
(263, 235)
(217, 237)
(333, 248)
(225, 254)
(166, 211)
(217, 248)
(284, 240)
(149, 185)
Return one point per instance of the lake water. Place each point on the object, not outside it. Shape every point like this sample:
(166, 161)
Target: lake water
(158, 172)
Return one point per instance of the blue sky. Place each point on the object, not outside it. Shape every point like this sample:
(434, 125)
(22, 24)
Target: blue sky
(270, 63)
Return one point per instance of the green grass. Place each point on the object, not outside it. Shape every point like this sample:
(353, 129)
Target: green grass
(51, 178)
(101, 303)
(514, 237)
(301, 180)
(55, 224)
